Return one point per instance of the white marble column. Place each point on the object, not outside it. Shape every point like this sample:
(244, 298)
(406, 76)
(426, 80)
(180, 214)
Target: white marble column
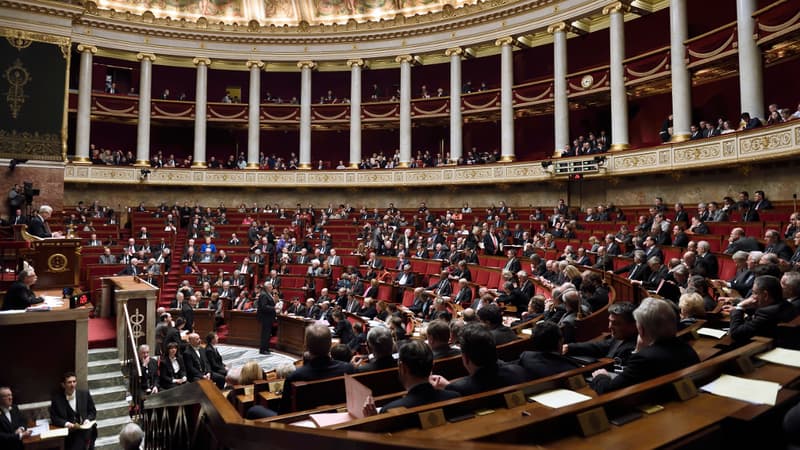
(507, 151)
(619, 98)
(355, 111)
(305, 114)
(145, 97)
(254, 113)
(561, 105)
(681, 82)
(405, 109)
(200, 112)
(456, 136)
(83, 122)
(751, 81)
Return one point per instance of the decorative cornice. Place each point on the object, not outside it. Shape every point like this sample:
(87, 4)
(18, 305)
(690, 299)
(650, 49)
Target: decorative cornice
(616, 7)
(508, 40)
(143, 56)
(254, 63)
(201, 60)
(87, 48)
(404, 59)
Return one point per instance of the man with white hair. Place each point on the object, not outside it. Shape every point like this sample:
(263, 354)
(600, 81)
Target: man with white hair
(706, 263)
(131, 437)
(658, 350)
(39, 226)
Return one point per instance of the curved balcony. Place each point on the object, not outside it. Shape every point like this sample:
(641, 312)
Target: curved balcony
(780, 142)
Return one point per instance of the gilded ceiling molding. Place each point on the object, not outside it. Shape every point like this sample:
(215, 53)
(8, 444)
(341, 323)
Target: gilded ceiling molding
(150, 56)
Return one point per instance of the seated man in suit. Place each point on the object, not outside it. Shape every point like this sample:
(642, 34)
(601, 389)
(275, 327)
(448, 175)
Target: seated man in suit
(74, 409)
(492, 318)
(194, 360)
(12, 424)
(619, 345)
(381, 345)
(406, 277)
(20, 295)
(39, 226)
(318, 364)
(149, 380)
(217, 368)
(414, 371)
(545, 359)
(479, 355)
(658, 350)
(438, 332)
(760, 314)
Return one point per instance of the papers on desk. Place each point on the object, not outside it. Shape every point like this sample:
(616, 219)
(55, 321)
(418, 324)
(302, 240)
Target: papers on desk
(744, 389)
(55, 432)
(712, 332)
(782, 356)
(356, 394)
(559, 398)
(12, 311)
(39, 307)
(53, 301)
(528, 331)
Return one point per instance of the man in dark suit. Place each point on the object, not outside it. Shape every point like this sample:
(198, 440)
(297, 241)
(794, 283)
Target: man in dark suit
(760, 314)
(20, 295)
(194, 360)
(406, 277)
(265, 307)
(637, 270)
(479, 355)
(739, 242)
(492, 319)
(442, 287)
(12, 424)
(750, 122)
(619, 345)
(512, 265)
(149, 381)
(774, 244)
(217, 368)
(659, 351)
(74, 409)
(414, 369)
(438, 339)
(706, 263)
(318, 364)
(545, 358)
(39, 226)
(380, 344)
(187, 312)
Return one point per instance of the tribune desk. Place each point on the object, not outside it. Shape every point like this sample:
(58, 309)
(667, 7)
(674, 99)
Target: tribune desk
(38, 347)
(140, 297)
(292, 333)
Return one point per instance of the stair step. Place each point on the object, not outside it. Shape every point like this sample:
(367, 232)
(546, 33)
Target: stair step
(97, 354)
(109, 394)
(104, 365)
(112, 426)
(105, 379)
(108, 442)
(110, 410)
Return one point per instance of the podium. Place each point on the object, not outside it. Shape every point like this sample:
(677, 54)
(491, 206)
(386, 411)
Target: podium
(140, 297)
(57, 261)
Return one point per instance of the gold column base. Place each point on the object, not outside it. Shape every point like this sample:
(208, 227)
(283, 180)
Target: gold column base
(353, 165)
(199, 165)
(81, 160)
(403, 164)
(507, 158)
(619, 147)
(680, 137)
(141, 163)
(304, 166)
(252, 166)
(556, 153)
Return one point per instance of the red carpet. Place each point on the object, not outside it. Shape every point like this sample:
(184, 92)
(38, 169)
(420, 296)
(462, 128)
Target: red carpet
(102, 332)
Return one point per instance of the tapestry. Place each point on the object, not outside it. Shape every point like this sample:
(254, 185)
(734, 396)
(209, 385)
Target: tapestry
(33, 75)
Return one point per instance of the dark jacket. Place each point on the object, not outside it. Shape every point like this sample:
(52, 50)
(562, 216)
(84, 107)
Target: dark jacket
(419, 395)
(488, 378)
(761, 321)
(543, 364)
(313, 369)
(619, 351)
(19, 296)
(166, 374)
(8, 430)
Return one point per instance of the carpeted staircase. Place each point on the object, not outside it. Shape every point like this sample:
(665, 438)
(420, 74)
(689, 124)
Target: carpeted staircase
(109, 391)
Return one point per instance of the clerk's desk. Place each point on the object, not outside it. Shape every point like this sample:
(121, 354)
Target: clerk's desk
(38, 347)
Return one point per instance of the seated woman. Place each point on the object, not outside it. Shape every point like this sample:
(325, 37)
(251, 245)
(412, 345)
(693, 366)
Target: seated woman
(171, 371)
(691, 309)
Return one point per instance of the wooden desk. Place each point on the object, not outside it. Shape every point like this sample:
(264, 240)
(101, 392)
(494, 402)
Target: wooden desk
(203, 320)
(37, 443)
(292, 333)
(140, 298)
(41, 346)
(243, 328)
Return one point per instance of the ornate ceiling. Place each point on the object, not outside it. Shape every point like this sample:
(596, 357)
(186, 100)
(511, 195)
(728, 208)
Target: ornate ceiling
(283, 12)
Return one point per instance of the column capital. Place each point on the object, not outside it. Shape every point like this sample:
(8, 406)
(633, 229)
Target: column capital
(201, 60)
(616, 7)
(556, 27)
(404, 58)
(306, 64)
(87, 48)
(454, 51)
(142, 56)
(359, 62)
(508, 40)
(254, 63)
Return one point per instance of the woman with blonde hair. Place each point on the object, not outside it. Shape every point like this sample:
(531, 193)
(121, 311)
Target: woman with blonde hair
(692, 308)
